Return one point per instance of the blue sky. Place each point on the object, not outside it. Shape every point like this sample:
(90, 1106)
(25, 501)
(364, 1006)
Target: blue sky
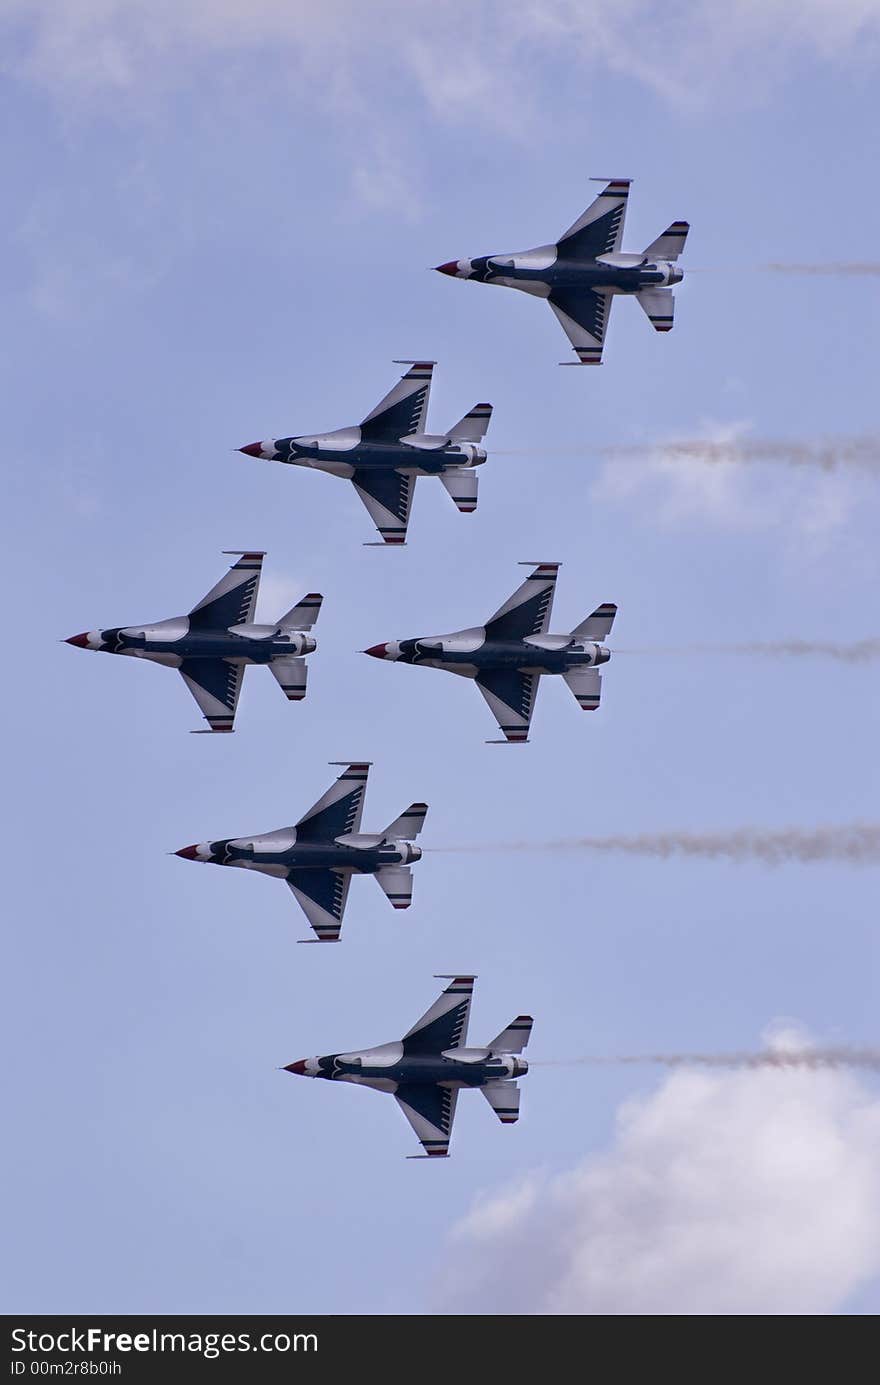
(220, 231)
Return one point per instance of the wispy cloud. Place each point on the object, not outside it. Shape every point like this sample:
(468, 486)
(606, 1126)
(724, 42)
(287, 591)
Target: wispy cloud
(466, 61)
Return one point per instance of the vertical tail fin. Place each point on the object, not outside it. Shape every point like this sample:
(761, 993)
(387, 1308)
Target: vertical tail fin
(514, 1038)
(472, 428)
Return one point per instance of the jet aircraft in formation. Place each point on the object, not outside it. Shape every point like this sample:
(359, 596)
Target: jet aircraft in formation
(582, 272)
(426, 1069)
(317, 857)
(508, 654)
(212, 645)
(384, 455)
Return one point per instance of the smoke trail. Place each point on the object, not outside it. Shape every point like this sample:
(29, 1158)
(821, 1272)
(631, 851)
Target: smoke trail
(851, 652)
(810, 1058)
(861, 451)
(850, 844)
(828, 454)
(856, 267)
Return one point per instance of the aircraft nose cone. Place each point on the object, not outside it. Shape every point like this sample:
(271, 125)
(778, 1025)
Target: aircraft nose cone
(81, 641)
(451, 267)
(377, 651)
(189, 853)
(253, 449)
(298, 1068)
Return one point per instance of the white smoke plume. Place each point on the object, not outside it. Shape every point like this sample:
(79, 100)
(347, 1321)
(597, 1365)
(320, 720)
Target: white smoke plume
(814, 1059)
(828, 453)
(856, 843)
(831, 267)
(844, 651)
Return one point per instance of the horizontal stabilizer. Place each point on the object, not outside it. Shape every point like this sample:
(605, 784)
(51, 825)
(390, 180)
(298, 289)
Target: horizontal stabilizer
(670, 245)
(503, 1097)
(586, 685)
(408, 826)
(397, 884)
(290, 675)
(659, 307)
(597, 625)
(462, 486)
(303, 615)
(472, 428)
(514, 1038)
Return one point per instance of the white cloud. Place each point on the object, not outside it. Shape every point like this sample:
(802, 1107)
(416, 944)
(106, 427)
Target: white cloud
(745, 1192)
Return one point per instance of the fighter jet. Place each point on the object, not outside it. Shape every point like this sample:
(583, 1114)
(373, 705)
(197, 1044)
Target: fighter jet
(428, 1067)
(317, 857)
(385, 454)
(214, 643)
(507, 656)
(580, 275)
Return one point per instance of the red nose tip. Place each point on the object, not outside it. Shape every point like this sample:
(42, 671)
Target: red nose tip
(253, 449)
(189, 853)
(451, 267)
(298, 1068)
(377, 650)
(81, 641)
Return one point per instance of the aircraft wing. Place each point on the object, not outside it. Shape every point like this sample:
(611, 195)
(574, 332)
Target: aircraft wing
(598, 230)
(583, 315)
(215, 685)
(511, 698)
(527, 611)
(337, 811)
(322, 895)
(232, 600)
(387, 495)
(586, 685)
(430, 1110)
(445, 1024)
(403, 409)
(290, 675)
